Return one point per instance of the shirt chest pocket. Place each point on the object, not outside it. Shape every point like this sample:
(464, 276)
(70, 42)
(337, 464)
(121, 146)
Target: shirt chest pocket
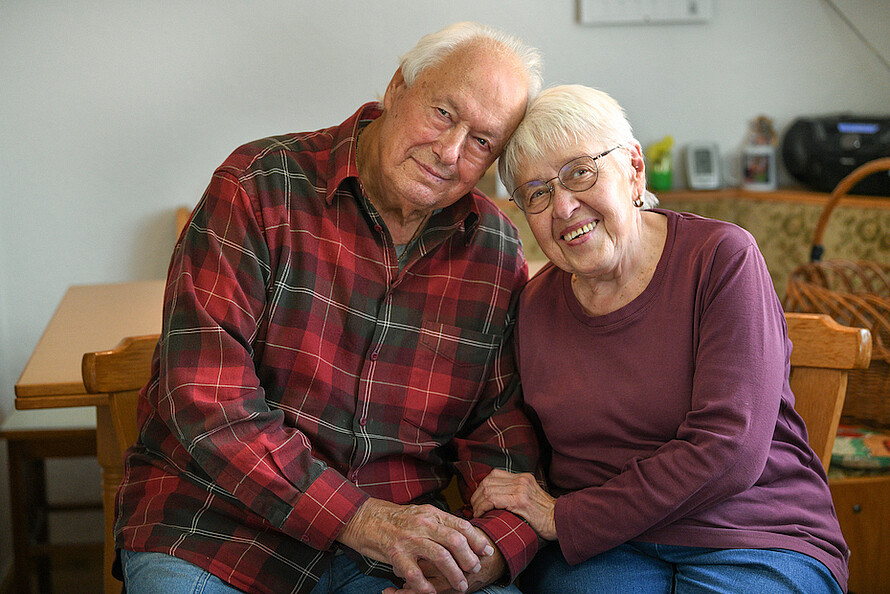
(450, 369)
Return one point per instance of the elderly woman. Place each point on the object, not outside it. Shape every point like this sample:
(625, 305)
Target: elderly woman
(654, 352)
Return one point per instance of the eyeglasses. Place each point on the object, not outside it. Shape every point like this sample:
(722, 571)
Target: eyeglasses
(577, 175)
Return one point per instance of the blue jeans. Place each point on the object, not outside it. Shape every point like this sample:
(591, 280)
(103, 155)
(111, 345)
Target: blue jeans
(157, 573)
(643, 568)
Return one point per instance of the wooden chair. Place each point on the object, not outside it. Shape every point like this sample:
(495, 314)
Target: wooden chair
(824, 352)
(119, 373)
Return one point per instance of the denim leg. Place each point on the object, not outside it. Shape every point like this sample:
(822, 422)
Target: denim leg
(344, 577)
(777, 571)
(642, 568)
(157, 573)
(511, 589)
(622, 570)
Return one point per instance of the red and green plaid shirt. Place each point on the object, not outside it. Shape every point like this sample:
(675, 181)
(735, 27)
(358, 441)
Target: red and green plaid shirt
(300, 372)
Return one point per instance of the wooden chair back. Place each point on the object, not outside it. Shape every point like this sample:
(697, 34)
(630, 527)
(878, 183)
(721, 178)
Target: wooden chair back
(182, 218)
(119, 374)
(824, 352)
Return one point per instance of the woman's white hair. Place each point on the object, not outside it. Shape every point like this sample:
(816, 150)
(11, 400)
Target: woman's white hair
(561, 117)
(434, 47)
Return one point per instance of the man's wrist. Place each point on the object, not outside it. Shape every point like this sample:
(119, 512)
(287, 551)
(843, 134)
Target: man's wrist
(319, 525)
(494, 570)
(513, 538)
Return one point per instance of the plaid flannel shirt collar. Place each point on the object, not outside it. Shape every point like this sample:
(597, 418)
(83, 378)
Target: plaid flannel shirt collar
(343, 163)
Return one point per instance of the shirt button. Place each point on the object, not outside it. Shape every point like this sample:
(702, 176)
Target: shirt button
(305, 538)
(363, 421)
(374, 356)
(378, 228)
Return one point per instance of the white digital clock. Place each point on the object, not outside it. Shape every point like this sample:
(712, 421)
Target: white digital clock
(702, 166)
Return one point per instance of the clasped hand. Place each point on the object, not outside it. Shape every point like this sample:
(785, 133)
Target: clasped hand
(418, 539)
(520, 494)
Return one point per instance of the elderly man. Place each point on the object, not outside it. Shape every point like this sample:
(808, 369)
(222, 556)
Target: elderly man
(335, 347)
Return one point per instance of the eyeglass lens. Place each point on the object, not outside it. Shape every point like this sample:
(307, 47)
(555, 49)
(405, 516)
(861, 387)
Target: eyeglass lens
(577, 175)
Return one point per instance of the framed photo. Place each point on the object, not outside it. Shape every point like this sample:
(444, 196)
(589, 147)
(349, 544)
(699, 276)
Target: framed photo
(759, 167)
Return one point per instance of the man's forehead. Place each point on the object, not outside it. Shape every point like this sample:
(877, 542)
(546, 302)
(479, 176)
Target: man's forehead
(491, 92)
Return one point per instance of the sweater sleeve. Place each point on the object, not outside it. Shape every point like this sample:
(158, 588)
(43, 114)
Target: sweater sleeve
(722, 445)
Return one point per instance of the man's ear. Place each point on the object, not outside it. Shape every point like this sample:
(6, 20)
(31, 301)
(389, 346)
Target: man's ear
(395, 86)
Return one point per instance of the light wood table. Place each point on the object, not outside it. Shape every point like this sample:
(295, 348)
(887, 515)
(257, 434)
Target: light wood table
(89, 318)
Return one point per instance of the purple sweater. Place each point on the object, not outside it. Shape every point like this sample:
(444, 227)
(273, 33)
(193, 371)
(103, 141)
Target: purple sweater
(671, 420)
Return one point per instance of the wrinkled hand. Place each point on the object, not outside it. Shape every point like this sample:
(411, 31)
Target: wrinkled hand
(403, 535)
(493, 567)
(520, 494)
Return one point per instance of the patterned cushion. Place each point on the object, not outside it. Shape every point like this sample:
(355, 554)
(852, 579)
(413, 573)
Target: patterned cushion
(861, 447)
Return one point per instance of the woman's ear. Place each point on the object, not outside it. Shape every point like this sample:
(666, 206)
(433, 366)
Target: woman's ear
(638, 164)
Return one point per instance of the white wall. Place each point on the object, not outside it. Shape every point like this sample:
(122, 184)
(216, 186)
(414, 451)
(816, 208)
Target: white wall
(112, 114)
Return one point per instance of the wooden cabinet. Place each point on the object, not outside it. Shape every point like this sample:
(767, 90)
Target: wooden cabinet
(863, 509)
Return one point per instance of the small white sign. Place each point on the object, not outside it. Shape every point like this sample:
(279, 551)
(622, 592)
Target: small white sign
(643, 12)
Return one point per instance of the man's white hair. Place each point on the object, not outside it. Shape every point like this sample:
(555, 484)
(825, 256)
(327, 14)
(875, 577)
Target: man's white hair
(434, 47)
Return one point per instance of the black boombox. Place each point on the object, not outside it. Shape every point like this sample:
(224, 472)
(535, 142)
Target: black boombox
(819, 152)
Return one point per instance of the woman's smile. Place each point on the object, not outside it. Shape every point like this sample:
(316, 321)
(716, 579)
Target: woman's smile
(579, 231)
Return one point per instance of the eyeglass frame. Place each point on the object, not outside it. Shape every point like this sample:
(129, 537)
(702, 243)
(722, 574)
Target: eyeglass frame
(557, 177)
